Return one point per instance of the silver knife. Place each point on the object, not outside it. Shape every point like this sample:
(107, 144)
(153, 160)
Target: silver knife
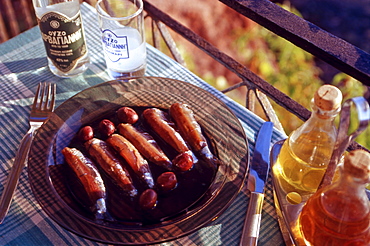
(258, 174)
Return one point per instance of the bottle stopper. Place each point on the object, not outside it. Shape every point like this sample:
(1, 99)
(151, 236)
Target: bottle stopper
(357, 164)
(328, 97)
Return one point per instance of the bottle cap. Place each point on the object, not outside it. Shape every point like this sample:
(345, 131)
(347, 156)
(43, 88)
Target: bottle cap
(328, 97)
(357, 164)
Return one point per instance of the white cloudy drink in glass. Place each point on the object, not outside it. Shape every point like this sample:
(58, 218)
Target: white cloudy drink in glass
(124, 51)
(123, 38)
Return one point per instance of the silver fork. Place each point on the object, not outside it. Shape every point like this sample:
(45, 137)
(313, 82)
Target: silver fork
(43, 105)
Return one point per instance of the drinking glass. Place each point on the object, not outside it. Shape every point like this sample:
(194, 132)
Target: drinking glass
(122, 32)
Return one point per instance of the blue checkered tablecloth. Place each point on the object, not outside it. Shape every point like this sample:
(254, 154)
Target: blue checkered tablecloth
(23, 65)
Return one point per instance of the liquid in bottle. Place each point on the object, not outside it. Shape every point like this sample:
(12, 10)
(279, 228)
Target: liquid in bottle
(339, 214)
(306, 153)
(61, 29)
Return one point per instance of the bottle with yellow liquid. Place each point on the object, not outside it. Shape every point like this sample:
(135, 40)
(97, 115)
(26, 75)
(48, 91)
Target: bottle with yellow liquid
(306, 153)
(339, 214)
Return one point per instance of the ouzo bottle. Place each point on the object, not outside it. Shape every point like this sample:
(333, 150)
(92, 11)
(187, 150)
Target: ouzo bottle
(339, 214)
(306, 153)
(61, 29)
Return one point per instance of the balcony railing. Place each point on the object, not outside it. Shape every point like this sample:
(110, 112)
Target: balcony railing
(331, 49)
(323, 45)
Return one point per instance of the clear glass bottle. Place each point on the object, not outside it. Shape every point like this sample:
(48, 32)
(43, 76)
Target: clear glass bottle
(339, 214)
(306, 153)
(61, 28)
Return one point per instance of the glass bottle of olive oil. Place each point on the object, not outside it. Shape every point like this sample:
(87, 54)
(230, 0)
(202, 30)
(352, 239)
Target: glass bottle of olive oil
(306, 153)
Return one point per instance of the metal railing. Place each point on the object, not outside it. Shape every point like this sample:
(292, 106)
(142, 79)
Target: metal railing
(329, 48)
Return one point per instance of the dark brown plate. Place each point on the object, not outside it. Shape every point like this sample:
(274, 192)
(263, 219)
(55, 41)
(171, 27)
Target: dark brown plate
(218, 122)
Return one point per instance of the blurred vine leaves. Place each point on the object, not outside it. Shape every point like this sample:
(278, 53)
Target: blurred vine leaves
(293, 71)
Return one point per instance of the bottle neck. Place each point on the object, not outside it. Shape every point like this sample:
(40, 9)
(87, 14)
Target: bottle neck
(319, 121)
(349, 184)
(69, 8)
(323, 114)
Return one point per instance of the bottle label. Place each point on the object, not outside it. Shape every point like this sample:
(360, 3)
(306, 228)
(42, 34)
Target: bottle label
(124, 49)
(64, 39)
(116, 46)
